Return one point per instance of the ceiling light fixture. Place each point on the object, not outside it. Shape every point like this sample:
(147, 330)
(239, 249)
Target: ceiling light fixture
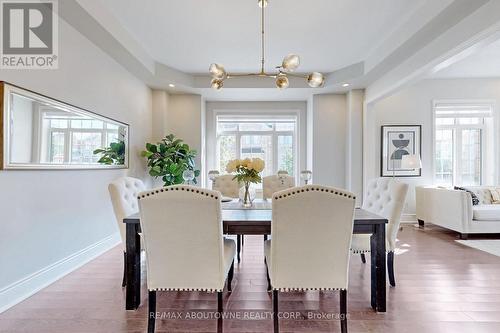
(290, 63)
(346, 85)
(171, 85)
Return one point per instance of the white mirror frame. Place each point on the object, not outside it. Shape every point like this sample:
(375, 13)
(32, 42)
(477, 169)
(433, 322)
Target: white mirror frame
(6, 90)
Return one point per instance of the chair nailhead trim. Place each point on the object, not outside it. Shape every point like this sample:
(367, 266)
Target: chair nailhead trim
(307, 189)
(187, 189)
(306, 289)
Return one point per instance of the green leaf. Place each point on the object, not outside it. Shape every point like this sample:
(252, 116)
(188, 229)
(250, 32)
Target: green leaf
(151, 147)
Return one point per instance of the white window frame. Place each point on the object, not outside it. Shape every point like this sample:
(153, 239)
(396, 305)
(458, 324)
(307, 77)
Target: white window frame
(68, 134)
(457, 137)
(273, 133)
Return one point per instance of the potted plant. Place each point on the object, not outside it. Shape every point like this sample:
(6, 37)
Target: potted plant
(169, 158)
(112, 155)
(246, 171)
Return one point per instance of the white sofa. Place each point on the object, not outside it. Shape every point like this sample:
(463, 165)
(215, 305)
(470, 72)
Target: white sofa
(453, 209)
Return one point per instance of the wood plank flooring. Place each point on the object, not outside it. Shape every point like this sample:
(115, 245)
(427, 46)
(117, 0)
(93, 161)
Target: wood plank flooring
(442, 286)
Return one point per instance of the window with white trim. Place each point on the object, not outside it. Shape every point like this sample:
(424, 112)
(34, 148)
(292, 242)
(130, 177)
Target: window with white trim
(272, 138)
(462, 140)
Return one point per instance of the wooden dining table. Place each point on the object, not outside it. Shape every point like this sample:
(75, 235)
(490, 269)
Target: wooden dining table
(257, 221)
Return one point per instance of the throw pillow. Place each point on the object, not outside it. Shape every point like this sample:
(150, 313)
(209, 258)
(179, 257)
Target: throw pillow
(475, 199)
(495, 196)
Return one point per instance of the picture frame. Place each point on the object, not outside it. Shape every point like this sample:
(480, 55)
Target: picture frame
(397, 141)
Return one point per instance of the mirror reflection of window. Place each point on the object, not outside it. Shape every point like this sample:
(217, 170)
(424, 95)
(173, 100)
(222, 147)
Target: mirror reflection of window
(50, 134)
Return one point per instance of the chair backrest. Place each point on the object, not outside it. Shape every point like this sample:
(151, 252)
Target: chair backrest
(182, 232)
(386, 197)
(311, 237)
(275, 183)
(123, 192)
(227, 186)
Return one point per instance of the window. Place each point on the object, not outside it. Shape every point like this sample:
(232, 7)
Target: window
(272, 139)
(73, 138)
(461, 132)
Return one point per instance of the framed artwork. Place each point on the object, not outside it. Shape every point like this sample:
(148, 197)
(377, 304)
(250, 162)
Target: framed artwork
(397, 141)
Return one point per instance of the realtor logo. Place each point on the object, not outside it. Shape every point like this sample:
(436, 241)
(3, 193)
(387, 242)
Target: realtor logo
(29, 34)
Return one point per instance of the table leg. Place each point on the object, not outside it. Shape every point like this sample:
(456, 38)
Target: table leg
(133, 244)
(378, 268)
(238, 247)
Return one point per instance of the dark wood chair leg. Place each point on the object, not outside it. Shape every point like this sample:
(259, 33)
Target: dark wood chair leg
(390, 268)
(151, 311)
(238, 247)
(421, 223)
(363, 258)
(230, 277)
(219, 310)
(124, 281)
(267, 275)
(343, 311)
(275, 312)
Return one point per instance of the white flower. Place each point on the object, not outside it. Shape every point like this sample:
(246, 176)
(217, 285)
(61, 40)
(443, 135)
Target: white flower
(231, 166)
(258, 164)
(246, 162)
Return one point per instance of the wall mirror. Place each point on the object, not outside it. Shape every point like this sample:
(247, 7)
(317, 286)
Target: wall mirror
(39, 132)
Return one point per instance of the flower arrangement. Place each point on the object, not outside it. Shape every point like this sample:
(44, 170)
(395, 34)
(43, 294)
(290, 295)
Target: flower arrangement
(246, 171)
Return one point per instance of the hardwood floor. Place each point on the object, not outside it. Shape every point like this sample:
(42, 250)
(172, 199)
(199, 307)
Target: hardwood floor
(442, 286)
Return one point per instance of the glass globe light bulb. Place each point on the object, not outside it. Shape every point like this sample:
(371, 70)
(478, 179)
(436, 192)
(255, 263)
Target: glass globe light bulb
(217, 84)
(282, 82)
(315, 80)
(262, 3)
(291, 62)
(217, 71)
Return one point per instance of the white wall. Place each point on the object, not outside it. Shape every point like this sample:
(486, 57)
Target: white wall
(48, 216)
(184, 119)
(329, 137)
(413, 106)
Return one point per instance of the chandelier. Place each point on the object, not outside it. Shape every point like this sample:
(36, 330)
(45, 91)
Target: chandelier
(290, 63)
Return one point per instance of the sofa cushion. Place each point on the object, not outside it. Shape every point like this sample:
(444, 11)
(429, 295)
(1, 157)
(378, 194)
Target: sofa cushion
(486, 213)
(495, 195)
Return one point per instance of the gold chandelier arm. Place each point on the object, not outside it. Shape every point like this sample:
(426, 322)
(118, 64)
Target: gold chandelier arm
(294, 74)
(261, 74)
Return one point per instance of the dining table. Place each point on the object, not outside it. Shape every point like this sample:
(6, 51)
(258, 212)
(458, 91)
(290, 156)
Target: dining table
(256, 220)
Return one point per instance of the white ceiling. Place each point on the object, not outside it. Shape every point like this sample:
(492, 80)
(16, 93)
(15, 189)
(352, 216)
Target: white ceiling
(328, 34)
(485, 63)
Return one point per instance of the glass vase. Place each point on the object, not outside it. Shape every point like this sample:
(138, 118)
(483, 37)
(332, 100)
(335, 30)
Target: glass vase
(247, 195)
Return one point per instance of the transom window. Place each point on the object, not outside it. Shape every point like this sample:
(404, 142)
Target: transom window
(462, 133)
(272, 139)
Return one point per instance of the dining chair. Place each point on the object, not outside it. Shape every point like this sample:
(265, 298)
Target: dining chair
(311, 233)
(229, 187)
(185, 249)
(226, 185)
(385, 197)
(123, 192)
(275, 183)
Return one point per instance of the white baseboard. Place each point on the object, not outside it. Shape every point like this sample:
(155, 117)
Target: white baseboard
(24, 288)
(409, 218)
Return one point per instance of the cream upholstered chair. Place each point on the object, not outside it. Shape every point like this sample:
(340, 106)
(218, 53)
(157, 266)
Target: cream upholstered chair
(385, 197)
(275, 183)
(227, 186)
(185, 249)
(123, 192)
(311, 236)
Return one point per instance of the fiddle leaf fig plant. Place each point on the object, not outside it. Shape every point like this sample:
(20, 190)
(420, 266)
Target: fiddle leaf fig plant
(112, 155)
(169, 158)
